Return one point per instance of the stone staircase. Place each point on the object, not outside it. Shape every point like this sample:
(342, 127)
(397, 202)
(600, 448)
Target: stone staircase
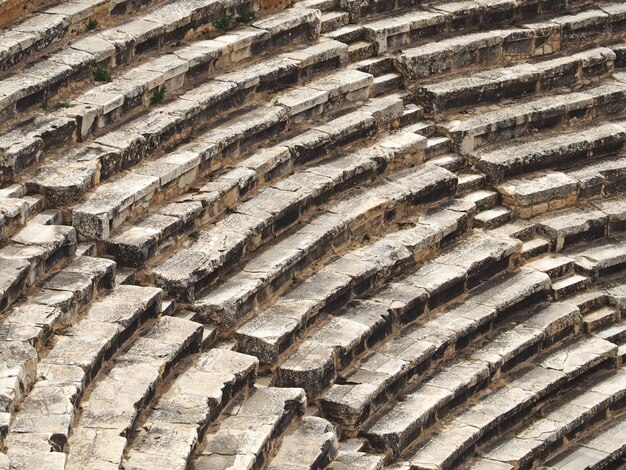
(321, 234)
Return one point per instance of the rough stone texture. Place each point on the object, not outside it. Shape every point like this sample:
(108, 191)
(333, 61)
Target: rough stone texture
(388, 234)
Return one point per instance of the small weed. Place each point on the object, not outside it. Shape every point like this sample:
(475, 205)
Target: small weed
(101, 75)
(44, 105)
(67, 104)
(245, 16)
(324, 198)
(224, 23)
(92, 25)
(158, 95)
(195, 235)
(294, 279)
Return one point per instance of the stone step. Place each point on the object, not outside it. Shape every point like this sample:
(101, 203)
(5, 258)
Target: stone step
(602, 257)
(545, 191)
(527, 388)
(437, 146)
(616, 333)
(470, 182)
(569, 285)
(590, 300)
(567, 227)
(260, 421)
(116, 399)
(600, 319)
(31, 252)
(179, 417)
(587, 403)
(268, 335)
(332, 20)
(351, 456)
(116, 46)
(229, 301)
(382, 373)
(556, 266)
(16, 211)
(425, 128)
(377, 66)
(492, 86)
(386, 83)
(315, 361)
(282, 203)
(604, 447)
(493, 218)
(535, 154)
(395, 429)
(534, 247)
(449, 161)
(485, 126)
(484, 199)
(73, 361)
(312, 443)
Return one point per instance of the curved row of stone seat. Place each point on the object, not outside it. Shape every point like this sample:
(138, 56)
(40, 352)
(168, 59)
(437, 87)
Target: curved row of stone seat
(587, 403)
(494, 85)
(398, 426)
(117, 45)
(188, 270)
(316, 360)
(340, 224)
(484, 126)
(29, 325)
(72, 362)
(32, 251)
(247, 434)
(111, 203)
(115, 400)
(133, 244)
(527, 388)
(605, 447)
(178, 419)
(395, 31)
(26, 144)
(536, 193)
(273, 331)
(589, 27)
(27, 38)
(379, 375)
(540, 153)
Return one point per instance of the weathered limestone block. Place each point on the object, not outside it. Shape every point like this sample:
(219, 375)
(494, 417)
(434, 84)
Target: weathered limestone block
(533, 155)
(312, 444)
(241, 440)
(13, 276)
